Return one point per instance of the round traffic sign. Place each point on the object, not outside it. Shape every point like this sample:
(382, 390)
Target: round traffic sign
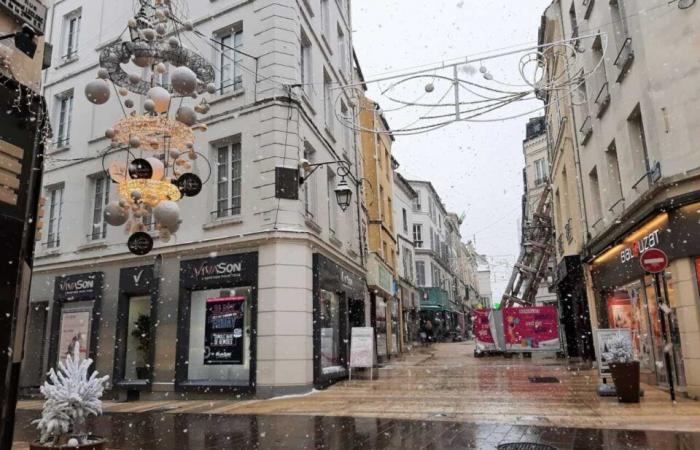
(654, 260)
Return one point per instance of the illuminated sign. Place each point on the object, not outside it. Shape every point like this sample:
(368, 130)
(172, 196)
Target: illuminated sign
(651, 240)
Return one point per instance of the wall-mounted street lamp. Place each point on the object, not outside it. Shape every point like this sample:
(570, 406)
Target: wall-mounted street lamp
(343, 192)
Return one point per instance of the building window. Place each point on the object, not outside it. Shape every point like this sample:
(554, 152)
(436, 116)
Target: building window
(55, 195)
(332, 203)
(306, 68)
(345, 115)
(228, 180)
(342, 53)
(597, 211)
(230, 75)
(328, 102)
(418, 235)
(309, 185)
(404, 219)
(614, 174)
(326, 17)
(540, 172)
(71, 33)
(417, 205)
(420, 273)
(638, 142)
(407, 264)
(99, 200)
(388, 215)
(65, 116)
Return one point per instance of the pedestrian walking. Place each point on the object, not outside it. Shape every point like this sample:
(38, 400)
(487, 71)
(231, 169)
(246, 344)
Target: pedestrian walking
(429, 331)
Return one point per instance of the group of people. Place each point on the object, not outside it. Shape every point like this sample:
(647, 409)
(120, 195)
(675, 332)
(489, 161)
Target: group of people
(426, 332)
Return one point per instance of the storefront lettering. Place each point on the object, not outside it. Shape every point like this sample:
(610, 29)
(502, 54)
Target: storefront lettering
(638, 247)
(222, 268)
(78, 285)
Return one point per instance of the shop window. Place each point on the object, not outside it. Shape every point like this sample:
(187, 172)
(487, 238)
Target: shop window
(138, 339)
(219, 336)
(329, 322)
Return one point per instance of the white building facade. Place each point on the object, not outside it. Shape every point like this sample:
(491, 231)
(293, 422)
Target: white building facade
(297, 266)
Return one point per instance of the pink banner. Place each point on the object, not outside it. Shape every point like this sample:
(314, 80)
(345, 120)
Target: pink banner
(531, 328)
(481, 329)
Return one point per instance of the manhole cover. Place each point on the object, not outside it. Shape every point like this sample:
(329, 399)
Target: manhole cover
(536, 379)
(525, 446)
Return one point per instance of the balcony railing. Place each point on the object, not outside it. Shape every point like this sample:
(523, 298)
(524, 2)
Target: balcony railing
(588, 4)
(586, 130)
(602, 101)
(619, 202)
(624, 59)
(568, 229)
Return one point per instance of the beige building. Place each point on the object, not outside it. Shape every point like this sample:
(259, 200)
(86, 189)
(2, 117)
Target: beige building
(635, 95)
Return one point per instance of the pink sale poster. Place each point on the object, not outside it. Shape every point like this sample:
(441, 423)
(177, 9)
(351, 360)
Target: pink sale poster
(533, 328)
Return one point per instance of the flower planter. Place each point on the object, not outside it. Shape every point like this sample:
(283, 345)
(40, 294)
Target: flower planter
(95, 444)
(626, 378)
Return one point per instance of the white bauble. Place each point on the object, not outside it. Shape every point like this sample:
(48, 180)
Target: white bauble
(149, 34)
(188, 26)
(115, 215)
(174, 154)
(73, 442)
(164, 235)
(132, 23)
(211, 88)
(173, 42)
(134, 79)
(134, 142)
(160, 29)
(161, 68)
(97, 92)
(102, 74)
(110, 133)
(149, 105)
(160, 97)
(123, 91)
(184, 81)
(167, 213)
(186, 115)
(158, 168)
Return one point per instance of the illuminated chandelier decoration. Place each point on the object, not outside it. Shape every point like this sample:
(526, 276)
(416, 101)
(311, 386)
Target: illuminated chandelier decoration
(153, 154)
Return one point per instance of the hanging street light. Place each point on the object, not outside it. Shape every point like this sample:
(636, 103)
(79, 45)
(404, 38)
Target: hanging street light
(343, 191)
(343, 194)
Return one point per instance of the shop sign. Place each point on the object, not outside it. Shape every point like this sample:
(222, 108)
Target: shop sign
(85, 286)
(137, 280)
(220, 270)
(362, 347)
(33, 12)
(638, 247)
(223, 331)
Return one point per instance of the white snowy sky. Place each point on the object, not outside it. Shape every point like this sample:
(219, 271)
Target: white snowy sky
(475, 167)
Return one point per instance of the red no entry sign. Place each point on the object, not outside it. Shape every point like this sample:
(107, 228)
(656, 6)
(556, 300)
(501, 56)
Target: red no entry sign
(654, 260)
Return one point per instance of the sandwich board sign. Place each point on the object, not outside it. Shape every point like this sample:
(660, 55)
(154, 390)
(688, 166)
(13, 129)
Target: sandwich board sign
(362, 349)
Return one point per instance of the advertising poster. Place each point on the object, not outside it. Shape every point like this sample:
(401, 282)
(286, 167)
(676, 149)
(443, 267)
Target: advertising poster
(482, 330)
(362, 347)
(74, 331)
(224, 330)
(531, 329)
(611, 343)
(621, 311)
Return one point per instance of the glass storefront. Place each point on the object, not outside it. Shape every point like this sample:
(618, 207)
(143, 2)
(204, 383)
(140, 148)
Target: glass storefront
(219, 336)
(394, 326)
(138, 339)
(329, 322)
(380, 328)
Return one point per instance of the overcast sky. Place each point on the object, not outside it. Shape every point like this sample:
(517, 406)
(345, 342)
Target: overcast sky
(476, 168)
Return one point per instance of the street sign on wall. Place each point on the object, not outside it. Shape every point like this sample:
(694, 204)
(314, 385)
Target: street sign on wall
(654, 260)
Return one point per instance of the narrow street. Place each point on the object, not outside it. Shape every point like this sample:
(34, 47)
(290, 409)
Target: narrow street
(441, 397)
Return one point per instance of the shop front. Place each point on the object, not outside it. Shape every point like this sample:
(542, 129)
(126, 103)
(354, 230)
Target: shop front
(573, 308)
(410, 306)
(380, 284)
(217, 324)
(76, 316)
(336, 292)
(435, 307)
(660, 309)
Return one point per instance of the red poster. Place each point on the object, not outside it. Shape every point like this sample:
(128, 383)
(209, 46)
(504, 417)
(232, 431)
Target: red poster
(482, 330)
(531, 328)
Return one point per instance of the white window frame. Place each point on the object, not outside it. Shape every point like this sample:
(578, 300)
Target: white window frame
(417, 205)
(328, 109)
(230, 59)
(100, 197)
(310, 188)
(64, 118)
(228, 186)
(420, 273)
(326, 18)
(71, 35)
(306, 64)
(342, 52)
(55, 209)
(540, 171)
(418, 235)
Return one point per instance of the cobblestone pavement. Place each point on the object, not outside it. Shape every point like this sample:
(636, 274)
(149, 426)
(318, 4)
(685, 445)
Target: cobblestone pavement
(155, 431)
(443, 388)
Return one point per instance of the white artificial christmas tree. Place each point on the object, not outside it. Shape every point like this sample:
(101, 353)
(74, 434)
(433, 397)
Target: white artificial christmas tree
(71, 397)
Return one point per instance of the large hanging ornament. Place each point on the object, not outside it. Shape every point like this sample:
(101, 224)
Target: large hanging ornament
(167, 213)
(184, 80)
(97, 91)
(158, 168)
(160, 97)
(186, 115)
(140, 169)
(115, 215)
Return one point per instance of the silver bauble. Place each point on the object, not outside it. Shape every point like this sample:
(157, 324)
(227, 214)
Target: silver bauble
(174, 42)
(135, 196)
(161, 68)
(102, 74)
(110, 133)
(160, 97)
(123, 91)
(115, 215)
(134, 142)
(186, 115)
(129, 103)
(211, 88)
(184, 81)
(134, 79)
(161, 29)
(176, 227)
(188, 26)
(97, 92)
(149, 105)
(167, 213)
(174, 154)
(149, 34)
(132, 23)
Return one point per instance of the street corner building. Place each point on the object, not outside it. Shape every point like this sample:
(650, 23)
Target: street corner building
(253, 294)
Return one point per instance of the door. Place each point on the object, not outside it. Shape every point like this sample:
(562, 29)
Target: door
(32, 363)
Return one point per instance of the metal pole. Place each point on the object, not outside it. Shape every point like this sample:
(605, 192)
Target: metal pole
(662, 318)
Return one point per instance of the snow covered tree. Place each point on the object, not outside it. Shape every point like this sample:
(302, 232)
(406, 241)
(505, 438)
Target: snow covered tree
(71, 397)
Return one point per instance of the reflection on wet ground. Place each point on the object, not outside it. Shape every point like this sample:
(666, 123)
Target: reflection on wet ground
(210, 431)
